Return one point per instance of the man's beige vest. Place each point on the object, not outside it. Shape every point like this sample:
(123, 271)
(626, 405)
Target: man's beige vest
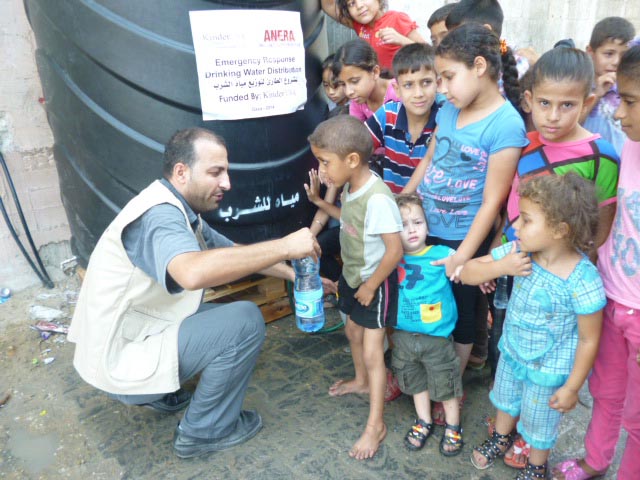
(125, 324)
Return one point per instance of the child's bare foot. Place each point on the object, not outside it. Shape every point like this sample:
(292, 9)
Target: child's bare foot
(345, 387)
(368, 443)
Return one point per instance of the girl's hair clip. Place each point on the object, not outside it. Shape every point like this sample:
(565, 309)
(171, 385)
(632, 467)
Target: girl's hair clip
(503, 46)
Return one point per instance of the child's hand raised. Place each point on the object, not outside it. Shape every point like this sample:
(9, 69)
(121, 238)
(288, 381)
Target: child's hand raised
(516, 263)
(564, 400)
(313, 188)
(604, 83)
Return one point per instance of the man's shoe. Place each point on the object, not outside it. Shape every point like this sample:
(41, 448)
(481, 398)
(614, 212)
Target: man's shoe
(247, 426)
(171, 402)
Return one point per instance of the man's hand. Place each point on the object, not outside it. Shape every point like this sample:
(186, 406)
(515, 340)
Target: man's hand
(301, 244)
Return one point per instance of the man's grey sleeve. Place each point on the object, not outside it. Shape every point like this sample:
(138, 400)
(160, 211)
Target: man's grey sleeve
(155, 238)
(214, 239)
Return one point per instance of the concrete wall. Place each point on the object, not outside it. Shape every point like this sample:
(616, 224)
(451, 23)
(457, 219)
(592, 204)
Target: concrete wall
(26, 144)
(537, 23)
(26, 141)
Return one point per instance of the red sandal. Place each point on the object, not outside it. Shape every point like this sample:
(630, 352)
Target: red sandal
(437, 411)
(520, 447)
(392, 390)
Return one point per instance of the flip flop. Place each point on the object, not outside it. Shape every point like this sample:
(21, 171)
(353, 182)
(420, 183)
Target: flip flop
(572, 470)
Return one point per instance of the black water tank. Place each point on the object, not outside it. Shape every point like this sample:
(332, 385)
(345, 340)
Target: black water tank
(119, 78)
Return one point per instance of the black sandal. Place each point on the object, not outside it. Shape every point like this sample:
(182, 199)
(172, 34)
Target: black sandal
(533, 472)
(452, 437)
(420, 431)
(492, 448)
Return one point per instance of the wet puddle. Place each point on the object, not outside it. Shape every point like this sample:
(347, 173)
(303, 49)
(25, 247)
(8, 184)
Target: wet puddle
(36, 452)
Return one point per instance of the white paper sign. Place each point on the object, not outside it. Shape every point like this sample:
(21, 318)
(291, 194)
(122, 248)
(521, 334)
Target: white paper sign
(250, 63)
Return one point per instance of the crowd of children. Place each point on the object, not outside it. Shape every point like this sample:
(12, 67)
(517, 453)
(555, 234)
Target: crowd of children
(500, 164)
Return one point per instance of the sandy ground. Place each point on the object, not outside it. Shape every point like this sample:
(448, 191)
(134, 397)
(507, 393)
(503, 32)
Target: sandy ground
(54, 426)
(41, 429)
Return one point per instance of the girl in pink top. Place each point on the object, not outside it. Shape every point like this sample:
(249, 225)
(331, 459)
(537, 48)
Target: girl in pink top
(615, 379)
(356, 65)
(385, 31)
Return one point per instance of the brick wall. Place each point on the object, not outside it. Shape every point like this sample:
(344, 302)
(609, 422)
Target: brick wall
(26, 144)
(537, 23)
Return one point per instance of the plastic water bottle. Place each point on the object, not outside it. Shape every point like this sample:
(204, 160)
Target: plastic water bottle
(500, 296)
(307, 291)
(5, 294)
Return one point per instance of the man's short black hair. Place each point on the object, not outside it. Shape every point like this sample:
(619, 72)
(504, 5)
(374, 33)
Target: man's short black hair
(181, 148)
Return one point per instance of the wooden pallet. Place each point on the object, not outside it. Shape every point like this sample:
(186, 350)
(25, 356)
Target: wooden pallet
(270, 294)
